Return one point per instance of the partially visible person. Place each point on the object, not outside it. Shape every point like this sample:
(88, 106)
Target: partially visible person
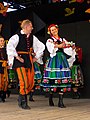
(77, 74)
(13, 79)
(3, 70)
(57, 74)
(19, 50)
(38, 73)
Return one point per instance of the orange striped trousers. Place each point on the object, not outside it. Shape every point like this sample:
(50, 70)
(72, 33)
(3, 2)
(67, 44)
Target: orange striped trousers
(26, 79)
(4, 80)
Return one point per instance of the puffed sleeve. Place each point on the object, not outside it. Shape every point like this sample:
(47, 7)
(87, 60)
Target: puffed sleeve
(50, 47)
(38, 48)
(72, 53)
(11, 48)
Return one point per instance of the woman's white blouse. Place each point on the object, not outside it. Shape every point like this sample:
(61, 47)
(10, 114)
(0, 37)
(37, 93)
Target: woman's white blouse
(52, 50)
(51, 47)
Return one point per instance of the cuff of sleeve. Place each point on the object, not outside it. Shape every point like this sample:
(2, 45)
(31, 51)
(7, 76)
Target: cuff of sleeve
(10, 61)
(38, 55)
(16, 55)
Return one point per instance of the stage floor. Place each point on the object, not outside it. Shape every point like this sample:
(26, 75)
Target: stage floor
(76, 109)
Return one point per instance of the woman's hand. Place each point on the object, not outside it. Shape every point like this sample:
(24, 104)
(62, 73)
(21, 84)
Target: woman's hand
(59, 45)
(73, 47)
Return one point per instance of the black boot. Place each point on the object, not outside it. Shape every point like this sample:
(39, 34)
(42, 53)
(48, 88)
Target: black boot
(60, 103)
(76, 95)
(3, 96)
(22, 102)
(8, 92)
(31, 97)
(51, 100)
(0, 97)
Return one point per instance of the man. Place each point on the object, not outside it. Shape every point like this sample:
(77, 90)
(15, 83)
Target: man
(20, 50)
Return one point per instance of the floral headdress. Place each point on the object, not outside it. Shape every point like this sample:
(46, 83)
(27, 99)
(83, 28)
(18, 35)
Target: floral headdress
(52, 25)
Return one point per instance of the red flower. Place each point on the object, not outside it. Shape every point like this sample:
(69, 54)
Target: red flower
(65, 81)
(59, 81)
(65, 89)
(69, 89)
(54, 89)
(45, 80)
(47, 89)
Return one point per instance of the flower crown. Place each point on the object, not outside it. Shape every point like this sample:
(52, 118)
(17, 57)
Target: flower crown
(52, 25)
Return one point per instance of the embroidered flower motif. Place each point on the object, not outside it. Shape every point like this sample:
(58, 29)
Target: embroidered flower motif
(65, 81)
(69, 89)
(39, 81)
(59, 81)
(47, 89)
(64, 89)
(45, 81)
(54, 89)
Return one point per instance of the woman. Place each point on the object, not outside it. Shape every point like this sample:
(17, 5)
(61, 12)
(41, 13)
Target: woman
(56, 73)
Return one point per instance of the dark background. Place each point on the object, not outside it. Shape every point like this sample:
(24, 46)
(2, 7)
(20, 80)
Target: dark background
(75, 27)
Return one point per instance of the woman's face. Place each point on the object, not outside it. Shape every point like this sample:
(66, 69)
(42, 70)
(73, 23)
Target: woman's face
(2, 42)
(54, 30)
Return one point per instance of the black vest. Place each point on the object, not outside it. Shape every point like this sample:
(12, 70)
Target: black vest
(3, 56)
(24, 45)
(59, 50)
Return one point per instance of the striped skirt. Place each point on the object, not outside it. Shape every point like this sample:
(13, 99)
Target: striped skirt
(57, 75)
(37, 76)
(77, 76)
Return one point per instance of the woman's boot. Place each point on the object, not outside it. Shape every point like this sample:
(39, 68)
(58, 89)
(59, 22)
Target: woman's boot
(76, 95)
(51, 100)
(60, 103)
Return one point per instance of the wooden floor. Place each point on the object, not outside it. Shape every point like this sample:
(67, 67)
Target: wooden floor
(76, 109)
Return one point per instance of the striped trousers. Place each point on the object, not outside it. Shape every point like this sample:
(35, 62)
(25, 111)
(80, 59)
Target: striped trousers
(26, 79)
(4, 80)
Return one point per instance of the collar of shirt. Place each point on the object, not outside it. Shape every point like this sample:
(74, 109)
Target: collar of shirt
(24, 33)
(56, 39)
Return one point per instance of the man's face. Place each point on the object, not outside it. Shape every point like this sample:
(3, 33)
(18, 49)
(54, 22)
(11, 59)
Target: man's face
(29, 28)
(2, 42)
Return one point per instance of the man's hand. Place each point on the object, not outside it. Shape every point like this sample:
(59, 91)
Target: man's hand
(34, 59)
(10, 66)
(20, 59)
